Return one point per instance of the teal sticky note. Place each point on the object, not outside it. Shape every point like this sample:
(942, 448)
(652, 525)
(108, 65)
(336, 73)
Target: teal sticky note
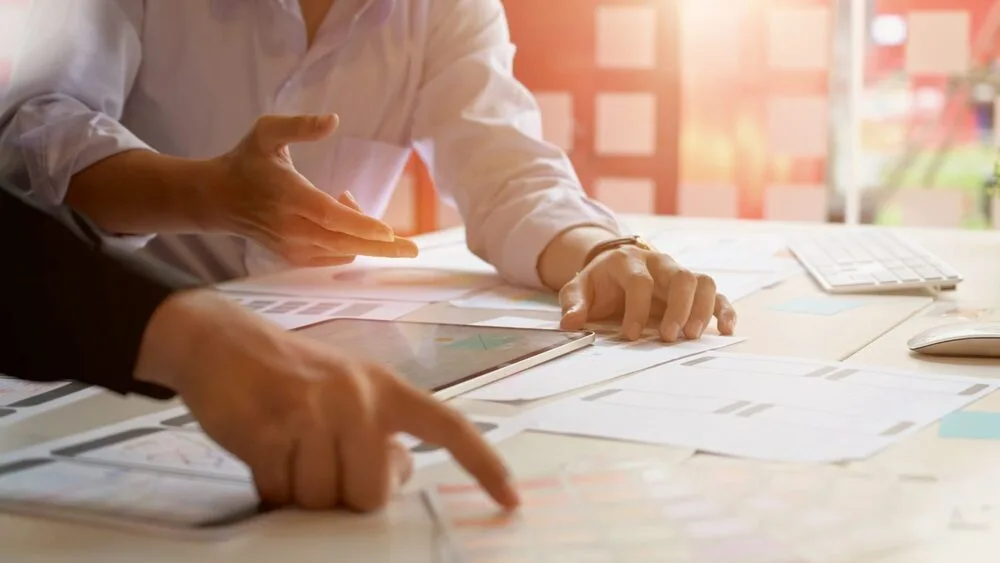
(818, 306)
(971, 425)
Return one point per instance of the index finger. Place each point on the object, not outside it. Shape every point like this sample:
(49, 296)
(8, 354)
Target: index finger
(575, 303)
(426, 418)
(327, 212)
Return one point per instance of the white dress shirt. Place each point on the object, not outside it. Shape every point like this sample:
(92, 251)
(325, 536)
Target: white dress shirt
(189, 77)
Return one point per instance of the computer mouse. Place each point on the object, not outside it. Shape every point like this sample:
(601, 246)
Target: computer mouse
(974, 339)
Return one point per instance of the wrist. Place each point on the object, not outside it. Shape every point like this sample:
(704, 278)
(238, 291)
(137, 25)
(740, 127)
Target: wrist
(174, 338)
(566, 254)
(211, 205)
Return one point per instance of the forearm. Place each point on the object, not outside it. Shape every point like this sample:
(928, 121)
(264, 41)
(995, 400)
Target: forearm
(563, 257)
(144, 192)
(71, 309)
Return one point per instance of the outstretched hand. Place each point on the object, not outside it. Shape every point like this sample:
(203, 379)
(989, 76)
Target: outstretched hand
(264, 198)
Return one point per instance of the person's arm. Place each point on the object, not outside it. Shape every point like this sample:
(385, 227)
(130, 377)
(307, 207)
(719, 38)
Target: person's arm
(479, 130)
(71, 306)
(61, 136)
(60, 132)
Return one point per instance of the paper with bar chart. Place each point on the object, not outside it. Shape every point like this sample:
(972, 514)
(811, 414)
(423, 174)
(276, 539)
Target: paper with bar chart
(767, 408)
(23, 399)
(294, 312)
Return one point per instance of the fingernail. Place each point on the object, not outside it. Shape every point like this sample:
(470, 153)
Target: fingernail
(350, 197)
(634, 331)
(406, 252)
(511, 498)
(672, 331)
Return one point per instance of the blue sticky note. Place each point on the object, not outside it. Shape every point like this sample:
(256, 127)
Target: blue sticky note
(971, 425)
(818, 306)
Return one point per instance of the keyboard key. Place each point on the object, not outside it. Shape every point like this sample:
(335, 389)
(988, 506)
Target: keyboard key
(928, 272)
(905, 274)
(849, 279)
(885, 276)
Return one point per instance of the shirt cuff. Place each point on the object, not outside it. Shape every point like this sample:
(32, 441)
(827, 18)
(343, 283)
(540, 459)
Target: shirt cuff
(71, 142)
(560, 211)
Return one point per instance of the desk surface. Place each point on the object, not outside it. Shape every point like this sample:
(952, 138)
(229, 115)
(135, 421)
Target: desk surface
(875, 334)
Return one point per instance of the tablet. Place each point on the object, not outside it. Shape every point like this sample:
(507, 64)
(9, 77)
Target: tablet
(447, 359)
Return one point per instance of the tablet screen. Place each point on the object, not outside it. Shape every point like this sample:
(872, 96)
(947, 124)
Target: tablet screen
(436, 356)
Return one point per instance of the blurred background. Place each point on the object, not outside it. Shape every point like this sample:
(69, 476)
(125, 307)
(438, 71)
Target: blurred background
(741, 108)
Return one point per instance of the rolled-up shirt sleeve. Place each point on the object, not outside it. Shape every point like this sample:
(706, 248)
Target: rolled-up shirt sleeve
(479, 130)
(67, 92)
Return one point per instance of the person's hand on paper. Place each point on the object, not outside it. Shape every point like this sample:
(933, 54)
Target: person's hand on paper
(262, 197)
(315, 425)
(640, 284)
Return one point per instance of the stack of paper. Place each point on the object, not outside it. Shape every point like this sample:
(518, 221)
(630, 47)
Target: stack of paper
(778, 409)
(608, 358)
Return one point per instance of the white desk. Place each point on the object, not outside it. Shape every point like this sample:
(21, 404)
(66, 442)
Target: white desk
(873, 334)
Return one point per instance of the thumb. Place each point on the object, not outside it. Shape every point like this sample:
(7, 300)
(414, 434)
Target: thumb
(575, 301)
(272, 132)
(401, 464)
(347, 199)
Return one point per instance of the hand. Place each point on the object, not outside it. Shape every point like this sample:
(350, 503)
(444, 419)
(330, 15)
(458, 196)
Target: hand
(639, 284)
(263, 198)
(315, 425)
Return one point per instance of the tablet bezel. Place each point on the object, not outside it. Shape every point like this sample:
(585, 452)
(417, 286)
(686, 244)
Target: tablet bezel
(580, 339)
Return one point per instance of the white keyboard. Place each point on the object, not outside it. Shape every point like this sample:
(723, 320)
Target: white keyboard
(866, 261)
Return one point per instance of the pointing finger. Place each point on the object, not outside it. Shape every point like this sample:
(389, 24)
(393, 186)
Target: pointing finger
(327, 212)
(424, 417)
(402, 463)
(342, 244)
